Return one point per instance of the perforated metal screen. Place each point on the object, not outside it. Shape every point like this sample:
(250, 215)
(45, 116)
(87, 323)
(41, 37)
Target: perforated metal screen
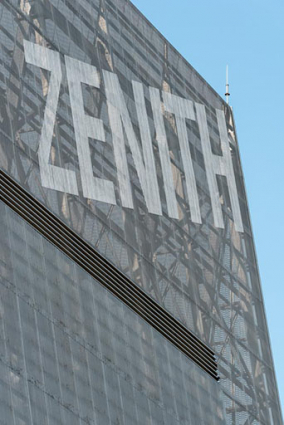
(72, 352)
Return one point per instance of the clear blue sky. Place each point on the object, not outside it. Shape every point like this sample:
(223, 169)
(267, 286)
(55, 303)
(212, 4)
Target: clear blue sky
(248, 35)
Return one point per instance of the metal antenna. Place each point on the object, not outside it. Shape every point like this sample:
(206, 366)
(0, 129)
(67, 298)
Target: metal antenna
(227, 94)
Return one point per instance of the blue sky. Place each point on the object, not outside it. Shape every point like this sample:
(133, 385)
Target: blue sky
(248, 35)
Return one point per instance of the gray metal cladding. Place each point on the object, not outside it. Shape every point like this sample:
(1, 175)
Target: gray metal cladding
(71, 352)
(83, 254)
(128, 167)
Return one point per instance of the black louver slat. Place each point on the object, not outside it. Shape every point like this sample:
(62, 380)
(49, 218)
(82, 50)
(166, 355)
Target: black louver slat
(69, 242)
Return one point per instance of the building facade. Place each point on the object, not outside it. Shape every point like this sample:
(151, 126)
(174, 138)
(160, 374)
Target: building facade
(129, 288)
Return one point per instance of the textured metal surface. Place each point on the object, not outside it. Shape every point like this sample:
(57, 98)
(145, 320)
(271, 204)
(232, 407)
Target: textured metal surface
(56, 232)
(72, 353)
(204, 276)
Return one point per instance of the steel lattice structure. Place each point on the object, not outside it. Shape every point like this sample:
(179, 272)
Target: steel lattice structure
(204, 276)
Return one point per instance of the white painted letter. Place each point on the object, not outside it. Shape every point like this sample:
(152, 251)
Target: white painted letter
(164, 153)
(183, 108)
(51, 176)
(86, 126)
(145, 166)
(221, 165)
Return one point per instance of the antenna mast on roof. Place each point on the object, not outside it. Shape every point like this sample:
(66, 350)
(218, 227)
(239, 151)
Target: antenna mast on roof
(227, 94)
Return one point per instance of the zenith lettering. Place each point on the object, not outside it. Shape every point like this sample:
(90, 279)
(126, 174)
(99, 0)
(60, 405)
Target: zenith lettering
(86, 127)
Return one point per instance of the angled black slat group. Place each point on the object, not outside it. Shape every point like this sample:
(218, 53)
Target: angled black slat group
(69, 242)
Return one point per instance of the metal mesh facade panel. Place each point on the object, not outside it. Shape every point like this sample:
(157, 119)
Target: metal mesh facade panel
(73, 353)
(85, 256)
(70, 351)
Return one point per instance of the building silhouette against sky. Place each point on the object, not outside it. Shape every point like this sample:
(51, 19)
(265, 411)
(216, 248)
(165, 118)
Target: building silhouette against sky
(129, 290)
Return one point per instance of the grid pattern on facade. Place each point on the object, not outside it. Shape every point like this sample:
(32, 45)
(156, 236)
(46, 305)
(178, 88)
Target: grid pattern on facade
(205, 277)
(104, 272)
(75, 354)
